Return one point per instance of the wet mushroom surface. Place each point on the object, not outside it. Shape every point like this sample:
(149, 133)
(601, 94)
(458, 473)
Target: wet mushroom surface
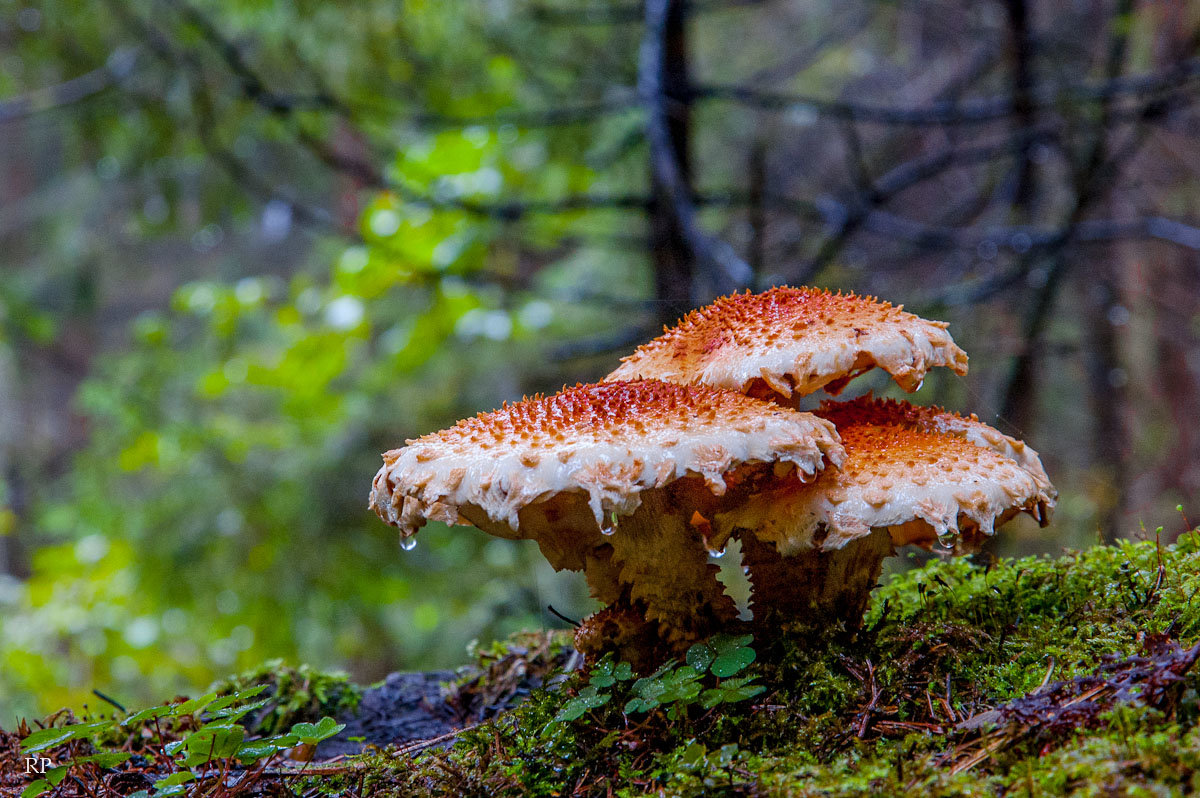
(787, 342)
(618, 480)
(910, 475)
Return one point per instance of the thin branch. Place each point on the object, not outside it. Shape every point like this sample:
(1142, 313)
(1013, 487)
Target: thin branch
(1022, 238)
(117, 68)
(252, 85)
(959, 112)
(255, 88)
(849, 219)
(557, 116)
(603, 344)
(626, 14)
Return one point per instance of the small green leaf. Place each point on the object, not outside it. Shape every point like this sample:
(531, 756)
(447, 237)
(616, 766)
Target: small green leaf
(640, 705)
(732, 661)
(724, 642)
(571, 710)
(182, 777)
(313, 733)
(35, 789)
(743, 693)
(46, 738)
(252, 752)
(700, 656)
(236, 698)
(105, 759)
(49, 738)
(588, 698)
(193, 706)
(693, 754)
(212, 741)
(235, 713)
(623, 672)
(147, 714)
(727, 753)
(56, 775)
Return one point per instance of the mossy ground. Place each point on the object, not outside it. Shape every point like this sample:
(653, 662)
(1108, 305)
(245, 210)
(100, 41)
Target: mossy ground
(1028, 677)
(878, 712)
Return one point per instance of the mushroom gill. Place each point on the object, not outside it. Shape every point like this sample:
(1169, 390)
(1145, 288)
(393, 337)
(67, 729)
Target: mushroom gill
(610, 479)
(789, 342)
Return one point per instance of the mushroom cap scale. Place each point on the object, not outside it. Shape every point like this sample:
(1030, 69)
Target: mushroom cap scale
(866, 409)
(609, 442)
(794, 341)
(908, 470)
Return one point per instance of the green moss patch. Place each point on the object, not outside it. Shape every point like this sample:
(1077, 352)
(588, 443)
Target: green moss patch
(1029, 677)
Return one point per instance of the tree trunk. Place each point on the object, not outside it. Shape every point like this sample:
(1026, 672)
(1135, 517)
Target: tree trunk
(674, 260)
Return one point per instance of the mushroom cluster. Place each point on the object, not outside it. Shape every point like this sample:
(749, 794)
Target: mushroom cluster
(696, 439)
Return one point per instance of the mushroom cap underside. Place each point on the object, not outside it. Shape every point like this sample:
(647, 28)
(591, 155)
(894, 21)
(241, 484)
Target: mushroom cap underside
(602, 444)
(792, 342)
(901, 472)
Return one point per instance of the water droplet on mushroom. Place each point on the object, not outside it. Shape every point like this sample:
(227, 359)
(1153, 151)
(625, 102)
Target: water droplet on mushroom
(948, 539)
(919, 384)
(408, 544)
(716, 554)
(609, 525)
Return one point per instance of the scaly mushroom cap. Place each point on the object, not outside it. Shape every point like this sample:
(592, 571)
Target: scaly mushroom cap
(938, 420)
(794, 341)
(913, 471)
(606, 443)
(615, 480)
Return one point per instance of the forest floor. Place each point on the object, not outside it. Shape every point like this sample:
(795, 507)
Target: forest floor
(1038, 676)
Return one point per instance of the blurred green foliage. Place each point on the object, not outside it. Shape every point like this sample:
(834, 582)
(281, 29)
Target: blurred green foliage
(247, 246)
(217, 514)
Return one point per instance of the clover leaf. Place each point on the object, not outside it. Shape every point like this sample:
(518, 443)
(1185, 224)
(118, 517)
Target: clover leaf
(313, 733)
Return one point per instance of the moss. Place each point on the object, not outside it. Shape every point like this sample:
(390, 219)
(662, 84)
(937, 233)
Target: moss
(878, 710)
(297, 695)
(1068, 676)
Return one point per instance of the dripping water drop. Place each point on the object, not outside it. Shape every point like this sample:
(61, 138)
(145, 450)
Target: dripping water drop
(716, 554)
(948, 539)
(408, 544)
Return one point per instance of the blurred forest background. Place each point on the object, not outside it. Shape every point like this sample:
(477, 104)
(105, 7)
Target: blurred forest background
(247, 246)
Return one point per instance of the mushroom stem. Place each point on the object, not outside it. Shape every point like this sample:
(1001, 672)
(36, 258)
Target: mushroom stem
(814, 585)
(664, 560)
(623, 630)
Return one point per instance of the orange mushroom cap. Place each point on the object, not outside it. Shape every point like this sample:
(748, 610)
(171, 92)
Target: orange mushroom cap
(609, 442)
(935, 419)
(794, 341)
(914, 471)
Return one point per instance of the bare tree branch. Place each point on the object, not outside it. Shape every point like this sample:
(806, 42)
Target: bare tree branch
(626, 14)
(252, 85)
(961, 112)
(901, 178)
(117, 68)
